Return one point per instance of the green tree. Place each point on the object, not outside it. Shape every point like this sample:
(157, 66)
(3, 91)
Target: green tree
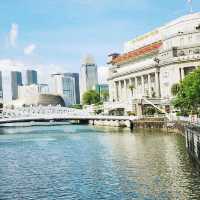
(76, 106)
(175, 89)
(188, 96)
(91, 97)
(105, 95)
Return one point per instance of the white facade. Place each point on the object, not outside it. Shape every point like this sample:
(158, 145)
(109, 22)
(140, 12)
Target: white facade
(153, 62)
(64, 86)
(32, 90)
(88, 75)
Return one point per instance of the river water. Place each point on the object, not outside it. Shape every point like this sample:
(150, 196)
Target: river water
(82, 162)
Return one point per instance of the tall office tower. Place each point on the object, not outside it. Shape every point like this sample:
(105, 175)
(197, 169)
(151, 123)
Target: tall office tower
(16, 80)
(77, 90)
(65, 87)
(31, 77)
(88, 75)
(10, 82)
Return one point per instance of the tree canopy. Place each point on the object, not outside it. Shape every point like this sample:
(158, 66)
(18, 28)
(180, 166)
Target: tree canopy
(188, 95)
(91, 97)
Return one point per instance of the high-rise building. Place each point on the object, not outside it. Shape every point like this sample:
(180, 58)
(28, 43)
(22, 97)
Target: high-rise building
(16, 80)
(77, 90)
(10, 82)
(31, 77)
(88, 75)
(64, 86)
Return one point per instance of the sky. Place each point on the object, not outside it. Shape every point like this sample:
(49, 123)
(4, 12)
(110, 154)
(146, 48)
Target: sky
(54, 35)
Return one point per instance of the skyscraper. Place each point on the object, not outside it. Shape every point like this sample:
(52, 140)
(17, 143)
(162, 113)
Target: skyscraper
(77, 90)
(64, 86)
(10, 82)
(31, 77)
(16, 80)
(88, 75)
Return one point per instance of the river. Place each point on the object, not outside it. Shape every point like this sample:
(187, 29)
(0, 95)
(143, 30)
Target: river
(82, 162)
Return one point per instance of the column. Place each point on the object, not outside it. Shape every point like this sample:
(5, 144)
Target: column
(116, 95)
(157, 80)
(136, 87)
(125, 89)
(182, 73)
(149, 84)
(120, 90)
(142, 81)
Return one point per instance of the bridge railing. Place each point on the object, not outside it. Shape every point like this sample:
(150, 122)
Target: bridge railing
(41, 111)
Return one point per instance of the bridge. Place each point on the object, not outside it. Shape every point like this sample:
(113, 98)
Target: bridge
(54, 113)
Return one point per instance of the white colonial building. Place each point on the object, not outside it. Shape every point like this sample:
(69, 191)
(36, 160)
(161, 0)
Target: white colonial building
(150, 64)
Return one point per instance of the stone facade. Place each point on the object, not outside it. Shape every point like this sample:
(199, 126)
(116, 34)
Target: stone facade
(152, 63)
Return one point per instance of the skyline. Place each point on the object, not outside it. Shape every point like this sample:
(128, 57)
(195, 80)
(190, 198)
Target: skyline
(32, 32)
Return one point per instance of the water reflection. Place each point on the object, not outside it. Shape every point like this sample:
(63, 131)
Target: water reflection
(81, 162)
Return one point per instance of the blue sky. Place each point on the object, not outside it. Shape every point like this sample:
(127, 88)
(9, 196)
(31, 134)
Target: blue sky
(53, 35)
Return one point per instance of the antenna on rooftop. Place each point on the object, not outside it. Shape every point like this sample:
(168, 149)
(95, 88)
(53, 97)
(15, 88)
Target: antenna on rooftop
(191, 7)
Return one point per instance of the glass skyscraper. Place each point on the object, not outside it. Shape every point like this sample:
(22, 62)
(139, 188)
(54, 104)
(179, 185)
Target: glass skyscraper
(77, 90)
(31, 77)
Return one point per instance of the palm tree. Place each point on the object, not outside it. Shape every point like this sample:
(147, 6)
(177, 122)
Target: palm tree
(131, 87)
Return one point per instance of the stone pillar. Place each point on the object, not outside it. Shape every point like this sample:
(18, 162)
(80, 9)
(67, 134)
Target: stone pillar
(143, 89)
(157, 80)
(116, 91)
(136, 87)
(149, 85)
(125, 90)
(182, 73)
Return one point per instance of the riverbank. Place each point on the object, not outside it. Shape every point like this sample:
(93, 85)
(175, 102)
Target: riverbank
(160, 123)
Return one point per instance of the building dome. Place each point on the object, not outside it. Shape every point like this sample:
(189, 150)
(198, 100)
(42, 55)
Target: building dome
(41, 99)
(49, 99)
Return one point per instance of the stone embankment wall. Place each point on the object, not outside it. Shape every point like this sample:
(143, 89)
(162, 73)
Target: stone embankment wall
(149, 123)
(193, 142)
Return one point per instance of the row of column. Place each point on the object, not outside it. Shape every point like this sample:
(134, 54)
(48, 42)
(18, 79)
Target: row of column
(142, 86)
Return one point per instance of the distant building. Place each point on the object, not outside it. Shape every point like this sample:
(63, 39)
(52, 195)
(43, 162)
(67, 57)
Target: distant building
(31, 77)
(40, 99)
(77, 90)
(43, 88)
(32, 90)
(103, 90)
(10, 82)
(88, 75)
(64, 86)
(16, 80)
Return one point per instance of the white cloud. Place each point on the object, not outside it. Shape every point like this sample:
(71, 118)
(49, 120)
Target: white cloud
(44, 70)
(29, 49)
(13, 34)
(102, 74)
(9, 64)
